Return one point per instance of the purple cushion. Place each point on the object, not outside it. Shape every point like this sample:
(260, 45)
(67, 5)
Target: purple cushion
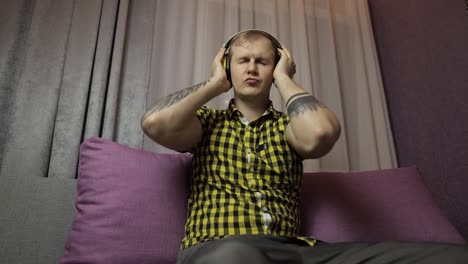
(131, 205)
(391, 204)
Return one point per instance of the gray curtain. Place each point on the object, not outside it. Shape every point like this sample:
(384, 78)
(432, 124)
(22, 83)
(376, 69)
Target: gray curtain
(67, 72)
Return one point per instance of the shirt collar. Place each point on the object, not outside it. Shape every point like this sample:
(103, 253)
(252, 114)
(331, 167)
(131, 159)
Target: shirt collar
(232, 110)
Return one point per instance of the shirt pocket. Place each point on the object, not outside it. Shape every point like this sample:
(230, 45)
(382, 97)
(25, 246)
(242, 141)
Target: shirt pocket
(275, 154)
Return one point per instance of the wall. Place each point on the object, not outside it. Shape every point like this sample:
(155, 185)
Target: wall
(423, 52)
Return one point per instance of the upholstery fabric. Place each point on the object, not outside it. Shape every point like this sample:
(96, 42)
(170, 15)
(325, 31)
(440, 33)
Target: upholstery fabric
(378, 205)
(131, 205)
(35, 216)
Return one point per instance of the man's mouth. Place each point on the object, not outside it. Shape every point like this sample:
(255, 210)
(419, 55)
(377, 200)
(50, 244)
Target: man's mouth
(252, 81)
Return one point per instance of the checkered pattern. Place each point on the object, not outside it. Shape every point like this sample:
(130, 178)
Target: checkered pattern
(233, 165)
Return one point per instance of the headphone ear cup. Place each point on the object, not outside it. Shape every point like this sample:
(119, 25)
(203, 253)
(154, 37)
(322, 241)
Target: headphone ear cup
(227, 66)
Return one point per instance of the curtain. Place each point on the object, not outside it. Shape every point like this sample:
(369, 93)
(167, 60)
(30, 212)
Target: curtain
(70, 70)
(61, 82)
(331, 42)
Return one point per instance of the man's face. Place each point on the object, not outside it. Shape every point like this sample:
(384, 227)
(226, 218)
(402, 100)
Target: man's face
(252, 66)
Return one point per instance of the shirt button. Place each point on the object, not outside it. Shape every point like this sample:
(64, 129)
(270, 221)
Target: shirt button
(258, 195)
(266, 220)
(252, 170)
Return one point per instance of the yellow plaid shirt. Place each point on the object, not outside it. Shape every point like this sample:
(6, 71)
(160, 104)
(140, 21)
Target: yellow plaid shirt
(246, 179)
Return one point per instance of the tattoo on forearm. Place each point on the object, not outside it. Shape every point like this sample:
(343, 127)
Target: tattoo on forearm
(294, 96)
(174, 98)
(302, 104)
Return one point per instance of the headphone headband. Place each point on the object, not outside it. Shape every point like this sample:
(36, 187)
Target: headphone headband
(271, 37)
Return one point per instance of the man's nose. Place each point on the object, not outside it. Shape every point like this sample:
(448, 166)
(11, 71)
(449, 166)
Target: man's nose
(252, 66)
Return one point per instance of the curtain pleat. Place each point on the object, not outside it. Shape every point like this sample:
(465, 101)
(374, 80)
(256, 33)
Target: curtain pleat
(32, 110)
(74, 89)
(100, 69)
(14, 30)
(129, 82)
(110, 117)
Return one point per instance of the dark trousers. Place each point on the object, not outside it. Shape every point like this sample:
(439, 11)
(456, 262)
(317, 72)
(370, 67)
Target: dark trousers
(247, 249)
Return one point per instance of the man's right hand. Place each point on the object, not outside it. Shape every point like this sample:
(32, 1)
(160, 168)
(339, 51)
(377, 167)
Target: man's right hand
(218, 73)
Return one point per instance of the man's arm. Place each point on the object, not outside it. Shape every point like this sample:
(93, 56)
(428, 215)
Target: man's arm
(172, 122)
(313, 129)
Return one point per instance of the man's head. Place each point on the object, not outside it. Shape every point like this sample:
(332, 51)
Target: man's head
(251, 57)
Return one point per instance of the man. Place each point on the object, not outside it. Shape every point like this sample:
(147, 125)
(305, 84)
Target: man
(247, 162)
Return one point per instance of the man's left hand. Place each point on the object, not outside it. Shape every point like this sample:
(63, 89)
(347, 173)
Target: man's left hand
(285, 66)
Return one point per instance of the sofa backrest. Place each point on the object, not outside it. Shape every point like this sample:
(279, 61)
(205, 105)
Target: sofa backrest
(131, 205)
(35, 216)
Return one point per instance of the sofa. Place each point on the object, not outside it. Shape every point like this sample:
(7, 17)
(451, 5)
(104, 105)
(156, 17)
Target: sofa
(128, 206)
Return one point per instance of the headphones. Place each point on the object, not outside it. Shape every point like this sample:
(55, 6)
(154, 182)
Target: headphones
(227, 45)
